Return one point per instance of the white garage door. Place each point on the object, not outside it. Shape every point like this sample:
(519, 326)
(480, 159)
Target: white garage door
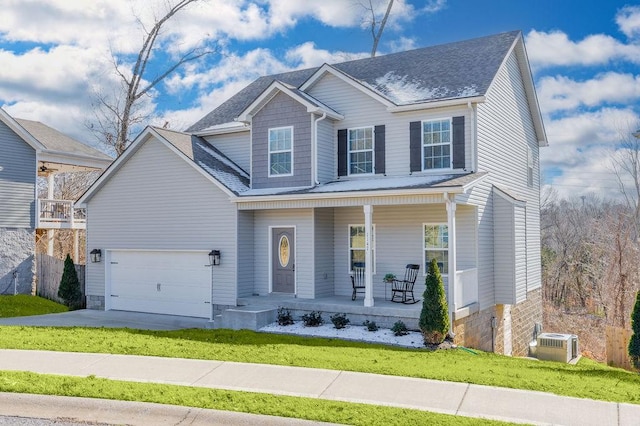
(161, 282)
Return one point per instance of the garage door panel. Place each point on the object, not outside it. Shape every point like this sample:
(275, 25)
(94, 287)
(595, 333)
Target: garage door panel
(176, 283)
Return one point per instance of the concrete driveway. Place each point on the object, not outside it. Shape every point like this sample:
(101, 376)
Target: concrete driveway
(110, 319)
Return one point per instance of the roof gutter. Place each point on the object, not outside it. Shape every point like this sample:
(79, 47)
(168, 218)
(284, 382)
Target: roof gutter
(350, 194)
(436, 104)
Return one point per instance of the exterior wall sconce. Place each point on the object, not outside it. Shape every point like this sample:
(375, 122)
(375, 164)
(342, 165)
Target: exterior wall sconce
(214, 258)
(96, 255)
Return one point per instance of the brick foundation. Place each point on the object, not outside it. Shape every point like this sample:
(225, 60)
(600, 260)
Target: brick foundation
(515, 322)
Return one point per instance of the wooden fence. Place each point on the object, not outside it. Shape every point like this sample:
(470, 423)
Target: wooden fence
(617, 347)
(49, 273)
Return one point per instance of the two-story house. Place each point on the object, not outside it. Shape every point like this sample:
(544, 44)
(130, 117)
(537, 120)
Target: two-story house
(385, 161)
(29, 149)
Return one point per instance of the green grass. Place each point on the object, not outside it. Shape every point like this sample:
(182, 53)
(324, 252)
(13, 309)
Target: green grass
(257, 403)
(22, 305)
(588, 379)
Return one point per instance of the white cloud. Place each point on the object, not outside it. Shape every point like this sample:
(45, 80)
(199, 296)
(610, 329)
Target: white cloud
(555, 49)
(563, 93)
(434, 6)
(628, 20)
(307, 55)
(402, 44)
(572, 138)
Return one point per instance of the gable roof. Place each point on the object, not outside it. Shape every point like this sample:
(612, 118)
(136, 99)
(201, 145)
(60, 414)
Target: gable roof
(56, 146)
(459, 70)
(203, 157)
(313, 105)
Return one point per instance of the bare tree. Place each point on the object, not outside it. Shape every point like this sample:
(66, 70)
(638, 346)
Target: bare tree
(375, 23)
(115, 115)
(626, 166)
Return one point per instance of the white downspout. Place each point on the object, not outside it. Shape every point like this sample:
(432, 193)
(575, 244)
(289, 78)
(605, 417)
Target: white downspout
(451, 284)
(50, 193)
(314, 160)
(474, 142)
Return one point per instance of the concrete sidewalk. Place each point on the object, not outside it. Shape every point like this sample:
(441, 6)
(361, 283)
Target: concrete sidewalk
(430, 395)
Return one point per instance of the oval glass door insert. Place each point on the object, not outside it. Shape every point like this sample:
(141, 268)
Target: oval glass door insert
(284, 251)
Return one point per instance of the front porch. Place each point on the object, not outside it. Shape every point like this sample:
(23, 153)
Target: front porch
(257, 311)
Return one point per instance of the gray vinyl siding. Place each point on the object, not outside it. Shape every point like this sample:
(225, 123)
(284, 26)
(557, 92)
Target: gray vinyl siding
(245, 253)
(361, 110)
(327, 149)
(505, 130)
(504, 250)
(520, 248)
(236, 146)
(157, 201)
(480, 196)
(323, 251)
(302, 220)
(281, 111)
(466, 219)
(17, 180)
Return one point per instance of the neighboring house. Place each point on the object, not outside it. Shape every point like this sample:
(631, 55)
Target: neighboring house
(29, 149)
(397, 159)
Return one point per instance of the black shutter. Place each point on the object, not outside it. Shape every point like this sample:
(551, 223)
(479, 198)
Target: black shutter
(342, 152)
(458, 142)
(379, 149)
(415, 146)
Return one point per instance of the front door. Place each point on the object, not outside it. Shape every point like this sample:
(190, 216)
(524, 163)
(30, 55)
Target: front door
(283, 260)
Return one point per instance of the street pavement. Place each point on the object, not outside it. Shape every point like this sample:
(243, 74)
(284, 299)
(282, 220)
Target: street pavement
(461, 399)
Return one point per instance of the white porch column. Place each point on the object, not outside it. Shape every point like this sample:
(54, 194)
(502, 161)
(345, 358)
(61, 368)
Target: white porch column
(451, 287)
(368, 259)
(50, 232)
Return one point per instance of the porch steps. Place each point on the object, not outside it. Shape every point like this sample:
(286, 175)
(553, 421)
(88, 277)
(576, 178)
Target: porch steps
(246, 317)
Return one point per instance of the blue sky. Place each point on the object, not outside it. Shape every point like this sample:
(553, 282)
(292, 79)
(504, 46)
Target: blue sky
(585, 56)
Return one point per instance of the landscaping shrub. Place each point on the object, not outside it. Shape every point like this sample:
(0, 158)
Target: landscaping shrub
(634, 343)
(399, 329)
(371, 325)
(284, 317)
(339, 320)
(434, 317)
(313, 319)
(69, 289)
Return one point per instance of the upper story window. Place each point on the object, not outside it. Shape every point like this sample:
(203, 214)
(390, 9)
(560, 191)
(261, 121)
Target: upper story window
(361, 150)
(281, 151)
(436, 144)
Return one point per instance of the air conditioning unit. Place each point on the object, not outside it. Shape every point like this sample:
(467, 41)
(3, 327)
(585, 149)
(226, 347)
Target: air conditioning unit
(557, 347)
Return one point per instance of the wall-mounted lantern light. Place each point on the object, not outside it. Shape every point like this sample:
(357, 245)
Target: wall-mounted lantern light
(96, 255)
(214, 257)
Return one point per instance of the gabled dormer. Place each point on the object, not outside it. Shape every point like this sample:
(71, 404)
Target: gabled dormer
(283, 136)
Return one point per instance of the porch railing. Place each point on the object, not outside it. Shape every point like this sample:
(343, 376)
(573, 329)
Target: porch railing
(59, 214)
(466, 287)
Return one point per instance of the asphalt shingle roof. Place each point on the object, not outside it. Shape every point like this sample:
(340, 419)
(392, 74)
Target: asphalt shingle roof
(55, 141)
(448, 71)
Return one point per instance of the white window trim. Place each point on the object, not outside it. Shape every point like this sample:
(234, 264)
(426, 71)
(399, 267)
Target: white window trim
(425, 248)
(373, 151)
(373, 241)
(450, 144)
(269, 152)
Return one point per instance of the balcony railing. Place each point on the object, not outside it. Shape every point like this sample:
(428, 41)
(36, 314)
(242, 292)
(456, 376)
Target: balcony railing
(466, 287)
(59, 214)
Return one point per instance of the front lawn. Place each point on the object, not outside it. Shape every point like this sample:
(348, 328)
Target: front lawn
(588, 379)
(246, 402)
(22, 305)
